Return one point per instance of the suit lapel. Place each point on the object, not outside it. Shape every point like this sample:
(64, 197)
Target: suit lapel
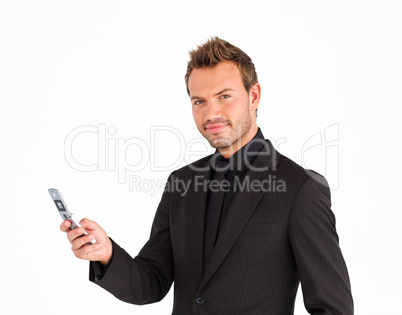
(242, 208)
(196, 220)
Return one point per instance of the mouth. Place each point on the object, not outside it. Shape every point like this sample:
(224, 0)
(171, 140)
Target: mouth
(216, 128)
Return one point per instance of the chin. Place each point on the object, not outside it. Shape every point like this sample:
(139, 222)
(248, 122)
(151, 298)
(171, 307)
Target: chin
(220, 143)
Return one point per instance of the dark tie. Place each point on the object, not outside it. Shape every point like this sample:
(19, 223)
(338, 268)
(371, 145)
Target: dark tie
(214, 207)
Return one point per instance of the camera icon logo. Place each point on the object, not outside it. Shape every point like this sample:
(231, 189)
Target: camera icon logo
(322, 150)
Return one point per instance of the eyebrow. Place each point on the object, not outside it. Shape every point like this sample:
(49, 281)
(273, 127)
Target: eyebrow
(220, 92)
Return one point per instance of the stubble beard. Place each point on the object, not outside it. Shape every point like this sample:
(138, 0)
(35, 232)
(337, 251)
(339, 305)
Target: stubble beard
(236, 133)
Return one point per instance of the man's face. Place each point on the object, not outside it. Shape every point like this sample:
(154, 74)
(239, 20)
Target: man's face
(223, 110)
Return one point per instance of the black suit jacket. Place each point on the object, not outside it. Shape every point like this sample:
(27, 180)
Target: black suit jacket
(279, 231)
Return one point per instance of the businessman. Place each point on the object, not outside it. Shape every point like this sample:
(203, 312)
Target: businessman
(250, 226)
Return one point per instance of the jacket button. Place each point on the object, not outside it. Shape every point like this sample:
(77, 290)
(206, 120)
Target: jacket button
(200, 300)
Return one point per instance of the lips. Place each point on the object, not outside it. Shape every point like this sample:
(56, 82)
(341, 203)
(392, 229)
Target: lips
(215, 128)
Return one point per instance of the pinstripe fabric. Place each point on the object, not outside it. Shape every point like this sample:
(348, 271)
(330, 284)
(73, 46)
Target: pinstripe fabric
(271, 240)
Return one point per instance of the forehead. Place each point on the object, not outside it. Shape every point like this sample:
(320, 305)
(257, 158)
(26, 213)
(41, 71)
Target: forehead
(224, 75)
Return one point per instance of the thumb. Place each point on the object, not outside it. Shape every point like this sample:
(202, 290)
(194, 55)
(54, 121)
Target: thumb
(89, 224)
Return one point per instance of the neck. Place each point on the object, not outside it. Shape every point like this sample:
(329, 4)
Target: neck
(227, 152)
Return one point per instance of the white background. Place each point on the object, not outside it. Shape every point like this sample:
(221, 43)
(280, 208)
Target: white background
(121, 64)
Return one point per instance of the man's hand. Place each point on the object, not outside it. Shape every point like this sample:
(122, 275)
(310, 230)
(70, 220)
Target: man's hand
(101, 251)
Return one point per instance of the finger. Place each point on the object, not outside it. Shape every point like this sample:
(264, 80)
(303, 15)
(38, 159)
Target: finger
(90, 252)
(65, 226)
(89, 224)
(76, 233)
(96, 254)
(81, 241)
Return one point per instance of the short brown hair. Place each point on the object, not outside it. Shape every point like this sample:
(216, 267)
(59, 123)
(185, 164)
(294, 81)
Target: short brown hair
(216, 50)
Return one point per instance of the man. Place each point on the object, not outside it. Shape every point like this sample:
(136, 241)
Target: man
(251, 225)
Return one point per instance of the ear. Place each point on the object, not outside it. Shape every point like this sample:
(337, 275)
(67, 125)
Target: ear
(254, 96)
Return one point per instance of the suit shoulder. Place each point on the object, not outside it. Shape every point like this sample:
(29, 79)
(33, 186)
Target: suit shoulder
(297, 173)
(197, 166)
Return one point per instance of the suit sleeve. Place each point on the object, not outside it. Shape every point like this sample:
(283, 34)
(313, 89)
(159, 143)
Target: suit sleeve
(314, 240)
(148, 277)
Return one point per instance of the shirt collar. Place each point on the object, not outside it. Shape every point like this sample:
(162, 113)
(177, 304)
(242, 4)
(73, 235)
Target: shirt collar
(242, 159)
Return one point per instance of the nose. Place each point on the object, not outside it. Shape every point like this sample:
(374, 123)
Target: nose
(213, 111)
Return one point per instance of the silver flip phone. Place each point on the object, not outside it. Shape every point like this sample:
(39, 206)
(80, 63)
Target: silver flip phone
(63, 210)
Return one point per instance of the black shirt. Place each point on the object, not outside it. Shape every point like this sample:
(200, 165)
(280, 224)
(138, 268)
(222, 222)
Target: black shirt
(239, 164)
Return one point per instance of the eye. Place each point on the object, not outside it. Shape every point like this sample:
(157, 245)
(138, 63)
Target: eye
(198, 102)
(225, 96)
